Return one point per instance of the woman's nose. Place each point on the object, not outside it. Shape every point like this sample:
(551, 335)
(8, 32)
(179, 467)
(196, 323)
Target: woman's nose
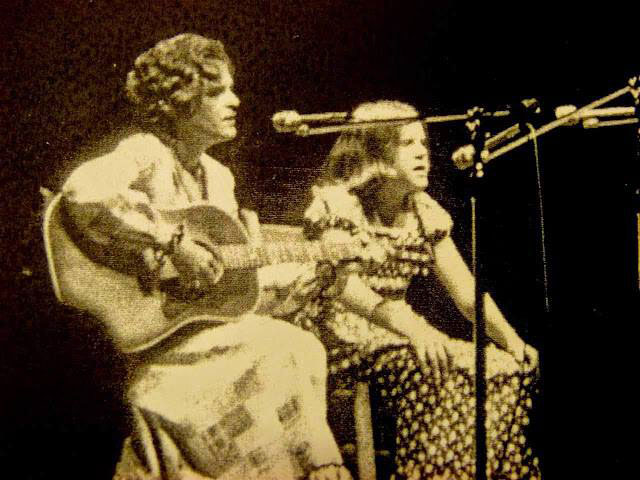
(234, 100)
(422, 154)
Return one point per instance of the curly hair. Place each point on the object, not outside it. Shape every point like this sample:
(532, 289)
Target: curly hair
(360, 158)
(169, 79)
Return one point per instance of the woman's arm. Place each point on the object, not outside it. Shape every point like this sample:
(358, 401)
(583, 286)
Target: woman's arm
(102, 203)
(395, 315)
(455, 275)
(398, 316)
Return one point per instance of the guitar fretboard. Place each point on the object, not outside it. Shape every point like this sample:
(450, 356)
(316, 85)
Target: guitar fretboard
(240, 256)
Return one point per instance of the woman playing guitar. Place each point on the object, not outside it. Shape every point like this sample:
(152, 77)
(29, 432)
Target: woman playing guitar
(233, 397)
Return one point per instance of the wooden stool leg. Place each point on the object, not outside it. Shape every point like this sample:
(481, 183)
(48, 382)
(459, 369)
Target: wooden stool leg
(364, 433)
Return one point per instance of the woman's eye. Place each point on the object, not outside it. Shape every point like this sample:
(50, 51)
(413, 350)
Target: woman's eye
(214, 91)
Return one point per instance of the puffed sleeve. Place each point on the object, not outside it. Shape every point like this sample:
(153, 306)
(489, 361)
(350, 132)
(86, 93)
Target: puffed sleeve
(106, 202)
(435, 221)
(333, 208)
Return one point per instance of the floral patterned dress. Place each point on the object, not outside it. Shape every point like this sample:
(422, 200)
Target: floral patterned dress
(435, 424)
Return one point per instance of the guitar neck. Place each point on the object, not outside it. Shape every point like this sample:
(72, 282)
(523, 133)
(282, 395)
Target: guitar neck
(241, 256)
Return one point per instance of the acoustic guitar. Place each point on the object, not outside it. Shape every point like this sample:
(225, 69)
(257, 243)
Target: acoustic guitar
(139, 314)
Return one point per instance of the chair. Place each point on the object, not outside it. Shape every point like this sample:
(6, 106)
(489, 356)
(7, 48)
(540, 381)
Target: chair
(50, 218)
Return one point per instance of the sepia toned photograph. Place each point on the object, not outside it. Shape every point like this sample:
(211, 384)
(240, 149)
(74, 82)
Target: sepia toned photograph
(322, 239)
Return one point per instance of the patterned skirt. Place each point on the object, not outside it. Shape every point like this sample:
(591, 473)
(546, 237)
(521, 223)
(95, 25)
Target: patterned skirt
(245, 400)
(435, 424)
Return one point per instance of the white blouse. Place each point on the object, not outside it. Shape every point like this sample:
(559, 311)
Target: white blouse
(117, 196)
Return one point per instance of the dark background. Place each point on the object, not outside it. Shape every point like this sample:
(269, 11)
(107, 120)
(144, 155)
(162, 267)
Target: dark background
(63, 65)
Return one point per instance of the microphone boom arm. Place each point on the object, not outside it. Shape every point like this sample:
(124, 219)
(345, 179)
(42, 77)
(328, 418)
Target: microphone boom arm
(293, 122)
(572, 117)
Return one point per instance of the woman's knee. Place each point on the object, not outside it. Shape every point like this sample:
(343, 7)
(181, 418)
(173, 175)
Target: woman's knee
(305, 345)
(282, 338)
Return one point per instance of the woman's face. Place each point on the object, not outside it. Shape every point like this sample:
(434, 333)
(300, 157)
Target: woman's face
(215, 118)
(412, 158)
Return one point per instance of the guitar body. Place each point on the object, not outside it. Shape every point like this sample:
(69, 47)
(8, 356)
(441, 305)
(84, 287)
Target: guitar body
(137, 319)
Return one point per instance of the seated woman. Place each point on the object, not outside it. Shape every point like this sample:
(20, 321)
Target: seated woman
(373, 189)
(243, 399)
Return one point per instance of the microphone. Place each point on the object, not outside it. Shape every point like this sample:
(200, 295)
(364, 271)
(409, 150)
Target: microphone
(292, 121)
(524, 111)
(565, 110)
(463, 156)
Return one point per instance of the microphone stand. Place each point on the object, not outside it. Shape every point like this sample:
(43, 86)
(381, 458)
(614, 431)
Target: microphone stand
(562, 121)
(303, 125)
(634, 89)
(481, 157)
(523, 112)
(634, 185)
(589, 121)
(477, 132)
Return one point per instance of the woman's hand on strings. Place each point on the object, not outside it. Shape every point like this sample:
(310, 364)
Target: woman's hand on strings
(197, 265)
